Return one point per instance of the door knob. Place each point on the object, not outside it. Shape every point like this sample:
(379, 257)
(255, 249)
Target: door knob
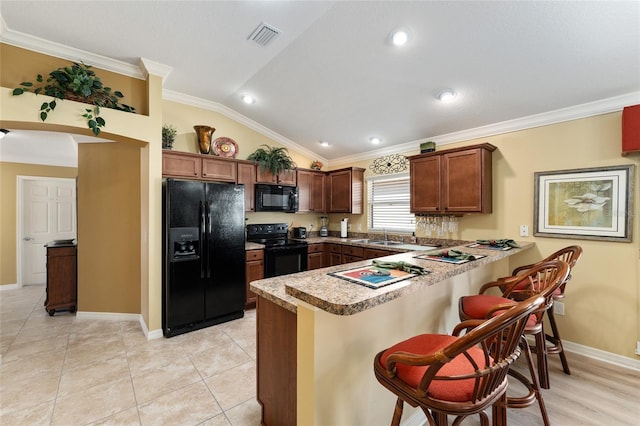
(27, 238)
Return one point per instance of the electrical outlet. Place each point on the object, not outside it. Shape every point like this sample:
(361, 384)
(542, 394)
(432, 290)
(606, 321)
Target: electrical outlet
(558, 308)
(524, 231)
(359, 227)
(638, 347)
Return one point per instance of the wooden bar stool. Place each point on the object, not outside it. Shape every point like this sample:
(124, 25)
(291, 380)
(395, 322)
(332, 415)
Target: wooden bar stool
(457, 375)
(571, 255)
(541, 280)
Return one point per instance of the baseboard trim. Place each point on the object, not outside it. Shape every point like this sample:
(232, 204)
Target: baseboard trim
(109, 316)
(601, 355)
(150, 335)
(9, 287)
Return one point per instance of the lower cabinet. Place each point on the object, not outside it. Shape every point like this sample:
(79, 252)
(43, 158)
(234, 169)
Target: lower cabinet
(254, 270)
(333, 253)
(315, 256)
(62, 288)
(375, 253)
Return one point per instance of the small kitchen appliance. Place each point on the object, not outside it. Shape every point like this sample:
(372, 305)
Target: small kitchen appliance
(300, 232)
(323, 228)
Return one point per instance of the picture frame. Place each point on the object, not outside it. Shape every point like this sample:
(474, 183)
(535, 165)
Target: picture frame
(591, 204)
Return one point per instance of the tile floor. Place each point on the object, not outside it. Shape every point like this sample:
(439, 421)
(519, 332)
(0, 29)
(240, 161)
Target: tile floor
(62, 370)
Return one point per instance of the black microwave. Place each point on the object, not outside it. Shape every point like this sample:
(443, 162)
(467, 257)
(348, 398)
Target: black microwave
(276, 198)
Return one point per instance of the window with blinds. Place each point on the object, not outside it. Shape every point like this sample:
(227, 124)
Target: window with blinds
(388, 204)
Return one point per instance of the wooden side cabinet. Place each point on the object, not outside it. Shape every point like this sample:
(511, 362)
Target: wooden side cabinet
(452, 181)
(62, 288)
(284, 178)
(254, 270)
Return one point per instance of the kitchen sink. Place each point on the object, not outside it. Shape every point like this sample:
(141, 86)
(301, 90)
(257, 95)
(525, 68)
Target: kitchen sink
(386, 243)
(363, 241)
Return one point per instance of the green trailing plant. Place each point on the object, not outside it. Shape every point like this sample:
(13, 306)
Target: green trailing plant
(273, 159)
(168, 136)
(80, 83)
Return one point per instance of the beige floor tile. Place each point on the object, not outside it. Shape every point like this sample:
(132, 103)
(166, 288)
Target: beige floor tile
(225, 389)
(27, 350)
(94, 403)
(189, 405)
(153, 357)
(219, 420)
(200, 340)
(93, 351)
(129, 417)
(23, 394)
(43, 363)
(33, 416)
(226, 355)
(152, 383)
(246, 414)
(85, 376)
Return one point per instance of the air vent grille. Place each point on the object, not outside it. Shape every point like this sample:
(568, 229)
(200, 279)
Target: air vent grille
(264, 34)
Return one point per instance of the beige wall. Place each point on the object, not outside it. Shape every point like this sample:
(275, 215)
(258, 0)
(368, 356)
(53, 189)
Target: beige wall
(9, 173)
(109, 227)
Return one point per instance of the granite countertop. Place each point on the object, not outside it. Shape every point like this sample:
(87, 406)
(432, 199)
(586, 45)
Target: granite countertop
(252, 246)
(340, 297)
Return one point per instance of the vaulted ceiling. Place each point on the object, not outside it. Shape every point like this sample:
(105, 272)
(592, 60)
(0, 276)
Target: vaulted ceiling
(331, 74)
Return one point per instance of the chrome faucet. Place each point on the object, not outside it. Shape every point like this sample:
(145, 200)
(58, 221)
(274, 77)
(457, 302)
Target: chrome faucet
(385, 234)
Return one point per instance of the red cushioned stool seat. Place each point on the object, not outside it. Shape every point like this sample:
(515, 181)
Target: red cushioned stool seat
(445, 390)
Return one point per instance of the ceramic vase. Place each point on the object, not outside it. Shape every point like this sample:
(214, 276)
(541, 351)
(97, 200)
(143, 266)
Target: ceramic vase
(204, 138)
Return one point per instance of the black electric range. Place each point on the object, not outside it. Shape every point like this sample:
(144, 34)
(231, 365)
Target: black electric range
(281, 255)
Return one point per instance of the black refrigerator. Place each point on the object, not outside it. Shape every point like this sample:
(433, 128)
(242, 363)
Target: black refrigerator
(203, 279)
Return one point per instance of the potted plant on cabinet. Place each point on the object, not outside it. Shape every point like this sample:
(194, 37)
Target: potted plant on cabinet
(168, 136)
(80, 83)
(274, 160)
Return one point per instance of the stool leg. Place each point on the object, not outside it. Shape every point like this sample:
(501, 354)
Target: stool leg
(541, 353)
(499, 411)
(557, 342)
(534, 382)
(397, 413)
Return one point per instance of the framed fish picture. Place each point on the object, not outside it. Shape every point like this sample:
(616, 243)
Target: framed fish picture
(594, 203)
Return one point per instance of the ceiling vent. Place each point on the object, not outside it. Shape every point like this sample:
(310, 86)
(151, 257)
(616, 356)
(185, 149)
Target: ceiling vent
(264, 34)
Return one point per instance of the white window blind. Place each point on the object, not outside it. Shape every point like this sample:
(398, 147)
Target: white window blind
(388, 203)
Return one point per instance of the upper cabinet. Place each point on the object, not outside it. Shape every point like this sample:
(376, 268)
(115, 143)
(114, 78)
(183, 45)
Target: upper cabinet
(345, 190)
(196, 166)
(284, 178)
(311, 191)
(247, 176)
(452, 181)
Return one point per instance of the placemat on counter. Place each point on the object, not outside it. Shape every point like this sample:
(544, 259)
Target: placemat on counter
(364, 276)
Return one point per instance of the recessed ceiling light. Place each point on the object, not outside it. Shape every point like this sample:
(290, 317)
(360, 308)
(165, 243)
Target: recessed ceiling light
(248, 99)
(324, 143)
(446, 95)
(399, 37)
(374, 140)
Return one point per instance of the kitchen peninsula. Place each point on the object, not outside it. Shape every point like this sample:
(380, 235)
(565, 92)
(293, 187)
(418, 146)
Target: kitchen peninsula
(318, 334)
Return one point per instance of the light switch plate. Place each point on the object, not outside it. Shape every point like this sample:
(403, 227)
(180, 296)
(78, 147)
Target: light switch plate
(524, 231)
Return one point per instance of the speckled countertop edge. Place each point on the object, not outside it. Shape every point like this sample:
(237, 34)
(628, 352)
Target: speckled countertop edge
(340, 297)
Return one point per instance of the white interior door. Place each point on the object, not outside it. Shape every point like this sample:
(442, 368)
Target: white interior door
(48, 213)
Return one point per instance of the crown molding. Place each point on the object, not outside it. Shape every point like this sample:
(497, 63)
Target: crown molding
(150, 67)
(576, 112)
(170, 95)
(40, 45)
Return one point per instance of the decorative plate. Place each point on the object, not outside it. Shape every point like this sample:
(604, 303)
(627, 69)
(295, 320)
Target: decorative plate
(225, 147)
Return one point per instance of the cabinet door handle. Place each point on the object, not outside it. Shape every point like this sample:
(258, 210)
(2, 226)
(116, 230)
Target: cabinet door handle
(27, 238)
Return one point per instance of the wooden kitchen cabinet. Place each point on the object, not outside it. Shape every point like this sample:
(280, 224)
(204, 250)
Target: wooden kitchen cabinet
(311, 191)
(452, 181)
(345, 190)
(247, 176)
(220, 170)
(254, 270)
(352, 254)
(62, 288)
(370, 253)
(284, 178)
(333, 254)
(198, 166)
(315, 256)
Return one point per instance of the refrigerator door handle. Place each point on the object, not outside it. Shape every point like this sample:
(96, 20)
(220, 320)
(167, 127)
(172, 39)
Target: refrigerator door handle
(203, 255)
(208, 235)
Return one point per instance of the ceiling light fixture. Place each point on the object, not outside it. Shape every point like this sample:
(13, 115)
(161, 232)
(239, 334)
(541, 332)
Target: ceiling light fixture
(248, 99)
(324, 143)
(374, 140)
(399, 37)
(3, 133)
(446, 95)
